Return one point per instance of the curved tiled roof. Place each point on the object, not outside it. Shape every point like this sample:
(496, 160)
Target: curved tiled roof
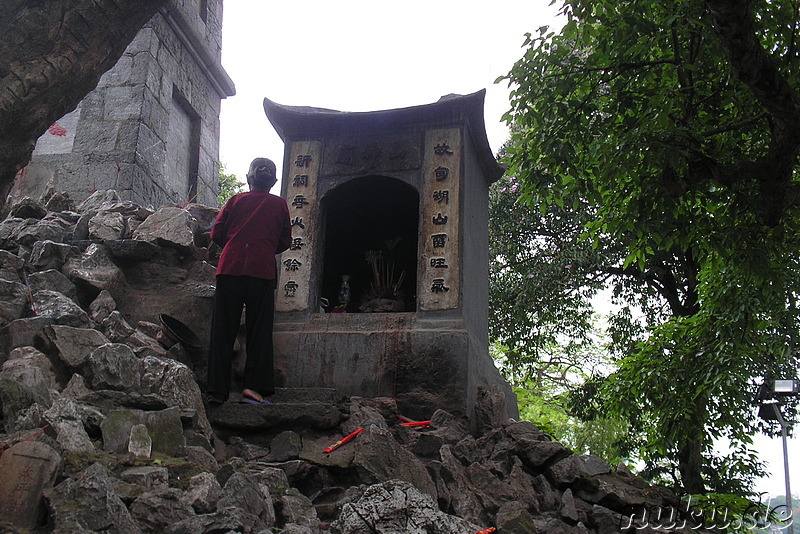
(296, 123)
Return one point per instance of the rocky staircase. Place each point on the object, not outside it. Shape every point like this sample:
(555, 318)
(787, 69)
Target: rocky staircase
(315, 409)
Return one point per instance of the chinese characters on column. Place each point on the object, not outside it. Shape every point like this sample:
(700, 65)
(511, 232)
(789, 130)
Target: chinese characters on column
(439, 288)
(301, 196)
(441, 196)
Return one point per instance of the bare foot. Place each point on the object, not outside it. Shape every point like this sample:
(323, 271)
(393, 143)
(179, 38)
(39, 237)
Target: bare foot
(250, 394)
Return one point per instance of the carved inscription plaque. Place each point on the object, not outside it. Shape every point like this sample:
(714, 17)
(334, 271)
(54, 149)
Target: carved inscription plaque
(294, 279)
(440, 286)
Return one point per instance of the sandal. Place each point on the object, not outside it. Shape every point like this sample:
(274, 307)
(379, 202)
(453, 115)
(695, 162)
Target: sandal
(249, 400)
(249, 396)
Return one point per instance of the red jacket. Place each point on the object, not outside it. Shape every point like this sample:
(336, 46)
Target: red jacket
(252, 228)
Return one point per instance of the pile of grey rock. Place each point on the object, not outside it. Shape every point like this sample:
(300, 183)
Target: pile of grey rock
(105, 428)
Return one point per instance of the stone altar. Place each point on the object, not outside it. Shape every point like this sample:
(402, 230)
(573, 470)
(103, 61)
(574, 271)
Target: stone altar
(396, 202)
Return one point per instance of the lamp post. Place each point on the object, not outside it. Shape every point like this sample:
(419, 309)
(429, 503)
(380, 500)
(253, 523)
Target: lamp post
(771, 411)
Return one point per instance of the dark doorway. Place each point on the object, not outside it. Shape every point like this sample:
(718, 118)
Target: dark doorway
(370, 227)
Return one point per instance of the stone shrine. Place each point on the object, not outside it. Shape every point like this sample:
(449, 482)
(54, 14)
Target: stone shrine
(384, 291)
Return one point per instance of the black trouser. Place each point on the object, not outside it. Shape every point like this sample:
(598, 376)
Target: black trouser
(257, 295)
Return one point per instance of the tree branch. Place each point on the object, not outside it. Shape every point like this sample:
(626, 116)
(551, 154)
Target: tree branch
(616, 69)
(753, 66)
(661, 279)
(735, 125)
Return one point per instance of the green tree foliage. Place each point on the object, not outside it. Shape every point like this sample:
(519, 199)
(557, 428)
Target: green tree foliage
(542, 277)
(544, 392)
(734, 514)
(229, 185)
(658, 141)
(536, 275)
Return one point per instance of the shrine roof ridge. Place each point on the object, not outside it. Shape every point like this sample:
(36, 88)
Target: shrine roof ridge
(295, 123)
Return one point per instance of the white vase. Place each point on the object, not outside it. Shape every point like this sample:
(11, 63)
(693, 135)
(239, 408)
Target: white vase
(344, 290)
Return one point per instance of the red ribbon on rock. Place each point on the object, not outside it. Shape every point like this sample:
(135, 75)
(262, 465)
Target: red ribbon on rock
(416, 423)
(343, 441)
(412, 423)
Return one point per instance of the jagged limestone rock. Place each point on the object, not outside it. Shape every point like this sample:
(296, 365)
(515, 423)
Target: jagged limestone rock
(74, 345)
(102, 306)
(94, 269)
(89, 501)
(11, 266)
(28, 208)
(31, 356)
(285, 446)
(52, 280)
(378, 458)
(60, 309)
(298, 509)
(223, 520)
(149, 478)
(174, 381)
(574, 467)
(170, 227)
(155, 510)
(15, 232)
(21, 384)
(48, 254)
(132, 249)
(108, 226)
(116, 328)
(72, 437)
(245, 492)
(115, 366)
(58, 201)
(13, 301)
(397, 507)
(22, 332)
(98, 200)
(204, 492)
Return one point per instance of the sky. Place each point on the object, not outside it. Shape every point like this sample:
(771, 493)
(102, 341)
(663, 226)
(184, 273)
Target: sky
(771, 451)
(356, 55)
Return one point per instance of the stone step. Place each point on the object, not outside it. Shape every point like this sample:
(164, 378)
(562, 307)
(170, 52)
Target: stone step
(302, 408)
(285, 416)
(307, 396)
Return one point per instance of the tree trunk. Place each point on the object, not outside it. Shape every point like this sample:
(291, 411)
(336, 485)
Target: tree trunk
(690, 463)
(690, 451)
(52, 54)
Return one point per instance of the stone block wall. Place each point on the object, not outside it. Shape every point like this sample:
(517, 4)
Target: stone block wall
(150, 130)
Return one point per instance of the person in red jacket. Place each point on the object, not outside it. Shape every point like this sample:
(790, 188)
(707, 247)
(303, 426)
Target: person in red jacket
(252, 228)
